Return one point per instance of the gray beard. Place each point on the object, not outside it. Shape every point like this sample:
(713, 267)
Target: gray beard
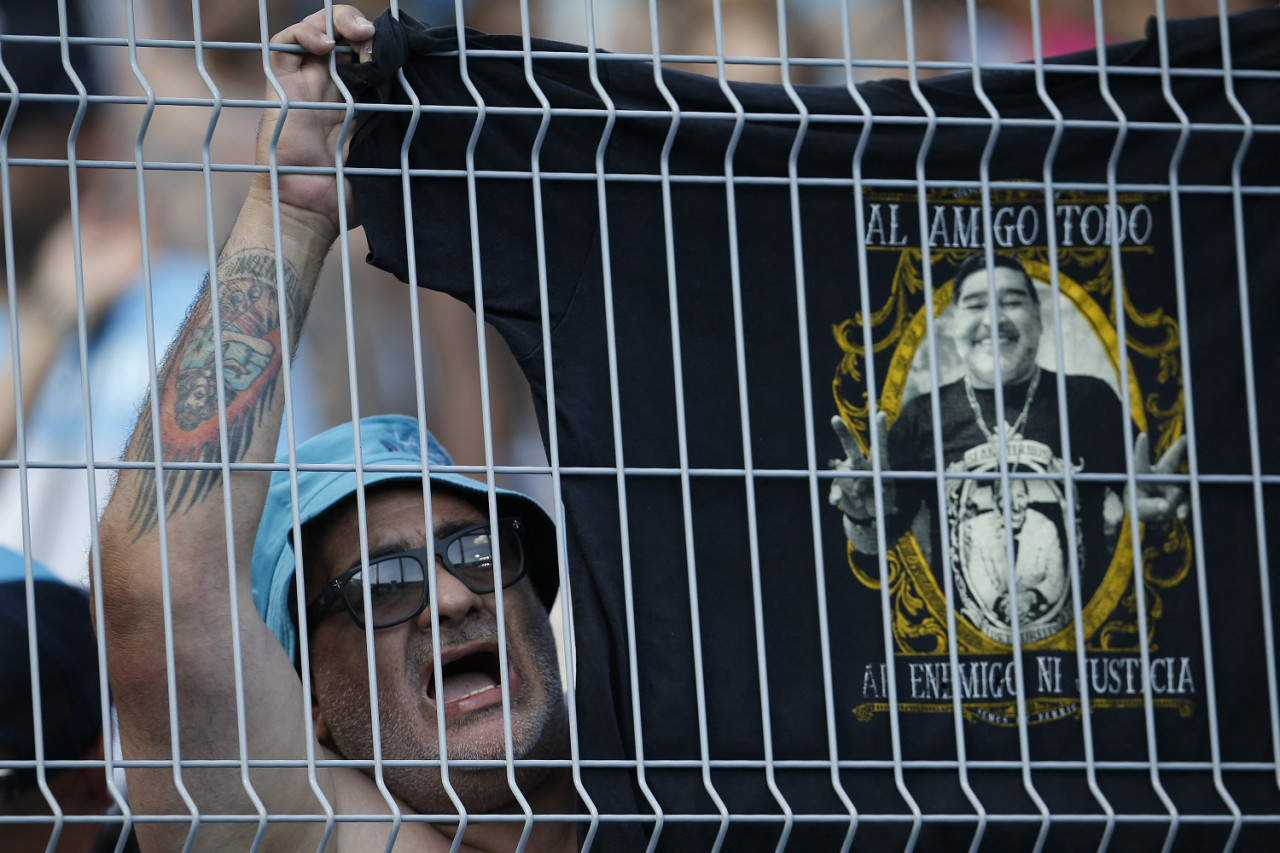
(538, 730)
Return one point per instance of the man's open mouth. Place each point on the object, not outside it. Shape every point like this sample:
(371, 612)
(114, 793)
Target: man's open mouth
(466, 676)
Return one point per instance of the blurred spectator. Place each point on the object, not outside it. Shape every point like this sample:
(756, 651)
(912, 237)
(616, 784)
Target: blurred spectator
(71, 716)
(1128, 19)
(47, 299)
(749, 30)
(41, 232)
(940, 30)
(40, 229)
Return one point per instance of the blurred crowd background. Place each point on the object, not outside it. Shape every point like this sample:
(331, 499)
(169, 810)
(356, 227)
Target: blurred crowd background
(50, 511)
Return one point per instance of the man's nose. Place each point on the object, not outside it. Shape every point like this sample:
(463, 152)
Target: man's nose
(982, 319)
(454, 600)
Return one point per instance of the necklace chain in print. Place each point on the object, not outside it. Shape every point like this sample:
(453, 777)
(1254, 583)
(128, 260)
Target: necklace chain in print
(1016, 429)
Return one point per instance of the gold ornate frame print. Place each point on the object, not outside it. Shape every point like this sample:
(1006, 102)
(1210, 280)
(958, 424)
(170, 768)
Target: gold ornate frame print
(1055, 558)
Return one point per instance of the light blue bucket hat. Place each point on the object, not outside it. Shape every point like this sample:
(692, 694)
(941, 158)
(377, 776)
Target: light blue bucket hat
(384, 440)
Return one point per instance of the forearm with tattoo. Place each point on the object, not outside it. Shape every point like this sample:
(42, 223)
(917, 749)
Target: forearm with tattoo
(246, 352)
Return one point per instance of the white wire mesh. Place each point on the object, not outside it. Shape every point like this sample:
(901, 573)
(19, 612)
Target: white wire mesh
(919, 631)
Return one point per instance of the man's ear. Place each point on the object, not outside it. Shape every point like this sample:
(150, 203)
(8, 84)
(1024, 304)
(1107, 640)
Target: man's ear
(321, 727)
(323, 735)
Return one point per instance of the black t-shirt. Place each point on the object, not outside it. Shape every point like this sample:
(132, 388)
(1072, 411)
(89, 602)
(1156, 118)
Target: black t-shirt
(755, 278)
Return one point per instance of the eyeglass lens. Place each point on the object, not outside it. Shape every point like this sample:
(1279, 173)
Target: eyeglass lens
(398, 585)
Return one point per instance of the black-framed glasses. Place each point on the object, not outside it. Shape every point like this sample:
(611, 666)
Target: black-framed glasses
(398, 582)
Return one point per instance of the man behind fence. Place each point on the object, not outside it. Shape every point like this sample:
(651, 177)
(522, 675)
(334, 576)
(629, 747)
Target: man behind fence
(438, 653)
(998, 346)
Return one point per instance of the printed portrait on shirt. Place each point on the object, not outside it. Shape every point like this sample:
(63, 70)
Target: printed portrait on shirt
(1039, 523)
(1025, 521)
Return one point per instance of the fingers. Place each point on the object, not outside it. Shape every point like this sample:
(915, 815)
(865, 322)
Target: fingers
(1171, 460)
(355, 29)
(312, 34)
(1142, 454)
(847, 441)
(856, 459)
(351, 24)
(1175, 496)
(1168, 463)
(1160, 502)
(854, 496)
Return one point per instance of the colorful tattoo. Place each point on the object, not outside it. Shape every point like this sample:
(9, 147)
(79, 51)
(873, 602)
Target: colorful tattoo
(248, 347)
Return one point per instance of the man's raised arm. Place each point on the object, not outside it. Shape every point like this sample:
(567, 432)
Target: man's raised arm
(244, 350)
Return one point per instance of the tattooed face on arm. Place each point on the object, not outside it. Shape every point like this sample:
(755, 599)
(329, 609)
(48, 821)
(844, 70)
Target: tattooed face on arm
(248, 345)
(197, 399)
(249, 317)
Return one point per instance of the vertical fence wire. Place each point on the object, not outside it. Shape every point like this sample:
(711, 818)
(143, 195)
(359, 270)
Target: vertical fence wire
(228, 507)
(1069, 485)
(877, 449)
(743, 400)
(33, 653)
(562, 567)
(1197, 538)
(616, 420)
(473, 219)
(615, 404)
(544, 302)
(152, 361)
(1250, 385)
(1002, 431)
(935, 411)
(353, 385)
(91, 472)
(473, 212)
(682, 432)
(82, 343)
(158, 466)
(866, 122)
(288, 438)
(419, 375)
(1131, 472)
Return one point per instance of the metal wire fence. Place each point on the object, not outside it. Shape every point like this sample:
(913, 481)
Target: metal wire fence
(901, 428)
